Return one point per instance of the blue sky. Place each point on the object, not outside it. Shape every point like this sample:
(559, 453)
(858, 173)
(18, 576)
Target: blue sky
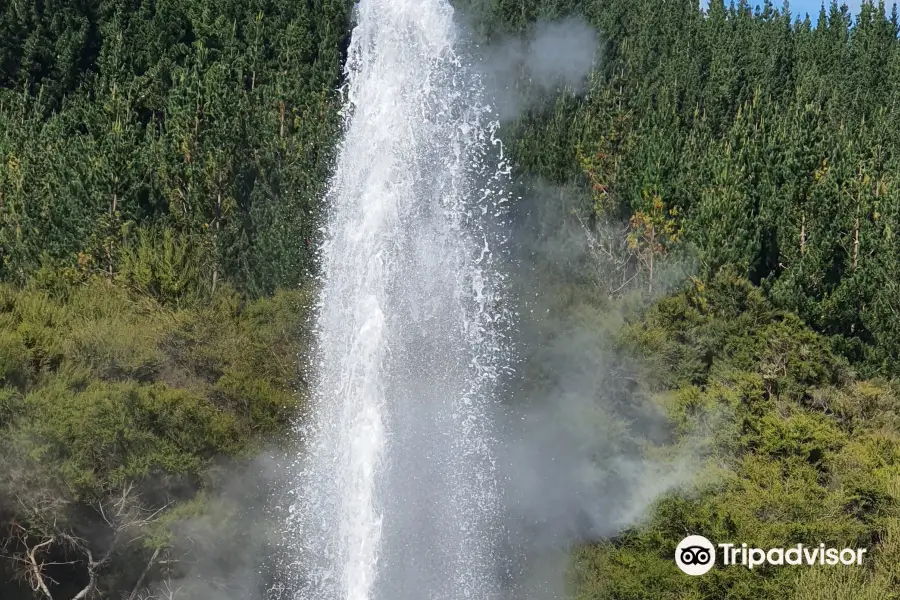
(799, 7)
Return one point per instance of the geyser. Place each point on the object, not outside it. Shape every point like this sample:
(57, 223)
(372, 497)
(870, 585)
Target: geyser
(396, 495)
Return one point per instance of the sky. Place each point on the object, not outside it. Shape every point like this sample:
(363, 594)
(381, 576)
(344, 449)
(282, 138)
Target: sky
(812, 7)
(799, 7)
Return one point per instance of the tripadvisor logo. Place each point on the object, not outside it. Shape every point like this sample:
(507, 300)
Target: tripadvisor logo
(696, 555)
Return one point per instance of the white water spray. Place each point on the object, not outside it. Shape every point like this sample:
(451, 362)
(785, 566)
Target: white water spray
(396, 496)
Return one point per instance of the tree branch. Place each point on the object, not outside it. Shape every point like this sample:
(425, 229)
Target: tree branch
(140, 581)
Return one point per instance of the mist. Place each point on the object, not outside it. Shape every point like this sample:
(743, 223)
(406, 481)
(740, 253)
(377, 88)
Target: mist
(580, 419)
(222, 546)
(522, 71)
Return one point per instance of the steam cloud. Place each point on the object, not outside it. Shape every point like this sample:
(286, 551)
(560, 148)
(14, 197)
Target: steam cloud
(521, 71)
(579, 417)
(225, 551)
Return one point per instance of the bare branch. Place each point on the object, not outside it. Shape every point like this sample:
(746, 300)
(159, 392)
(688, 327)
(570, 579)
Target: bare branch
(37, 569)
(92, 565)
(140, 581)
(38, 542)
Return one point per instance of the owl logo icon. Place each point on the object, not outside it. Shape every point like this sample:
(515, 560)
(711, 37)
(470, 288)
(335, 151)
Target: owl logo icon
(695, 555)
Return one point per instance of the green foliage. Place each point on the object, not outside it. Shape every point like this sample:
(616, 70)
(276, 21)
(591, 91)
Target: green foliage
(107, 434)
(775, 142)
(110, 397)
(108, 386)
(168, 267)
(796, 451)
(207, 122)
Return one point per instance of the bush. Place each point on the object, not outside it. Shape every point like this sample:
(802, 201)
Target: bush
(111, 398)
(798, 451)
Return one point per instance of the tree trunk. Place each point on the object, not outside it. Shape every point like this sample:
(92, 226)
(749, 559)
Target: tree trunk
(112, 213)
(856, 234)
(802, 234)
(215, 277)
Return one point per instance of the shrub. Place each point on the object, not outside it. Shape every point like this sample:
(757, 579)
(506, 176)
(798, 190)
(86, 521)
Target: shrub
(798, 451)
